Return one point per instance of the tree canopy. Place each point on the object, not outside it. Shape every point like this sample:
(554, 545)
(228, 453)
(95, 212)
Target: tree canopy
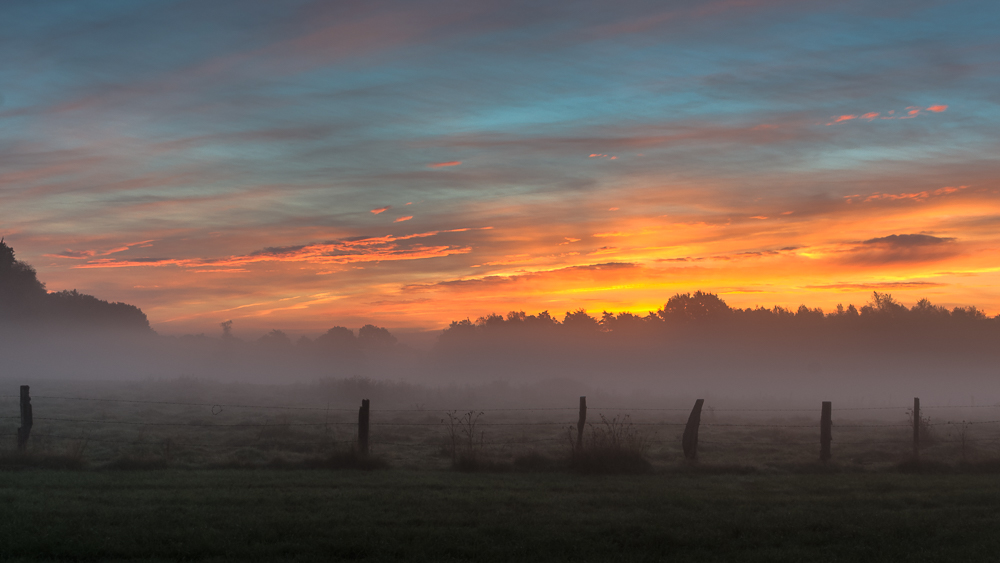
(24, 300)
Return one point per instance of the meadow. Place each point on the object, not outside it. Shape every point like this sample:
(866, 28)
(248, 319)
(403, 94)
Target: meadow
(196, 424)
(193, 470)
(395, 515)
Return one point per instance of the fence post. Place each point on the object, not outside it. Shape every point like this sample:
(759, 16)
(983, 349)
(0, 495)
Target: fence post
(916, 428)
(26, 420)
(580, 423)
(690, 440)
(825, 430)
(363, 427)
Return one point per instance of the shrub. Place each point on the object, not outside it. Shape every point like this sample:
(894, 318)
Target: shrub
(615, 445)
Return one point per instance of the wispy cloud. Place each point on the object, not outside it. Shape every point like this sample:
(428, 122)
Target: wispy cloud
(774, 164)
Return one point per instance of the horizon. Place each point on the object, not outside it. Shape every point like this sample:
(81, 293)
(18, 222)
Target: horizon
(308, 165)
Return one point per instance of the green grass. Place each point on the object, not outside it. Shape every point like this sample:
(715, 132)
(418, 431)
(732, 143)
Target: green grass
(393, 515)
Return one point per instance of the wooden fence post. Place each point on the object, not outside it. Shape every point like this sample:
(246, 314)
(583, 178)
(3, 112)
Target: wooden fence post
(26, 420)
(690, 440)
(363, 427)
(581, 423)
(825, 430)
(916, 428)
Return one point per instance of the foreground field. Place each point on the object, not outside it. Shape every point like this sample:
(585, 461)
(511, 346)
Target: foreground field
(444, 516)
(191, 424)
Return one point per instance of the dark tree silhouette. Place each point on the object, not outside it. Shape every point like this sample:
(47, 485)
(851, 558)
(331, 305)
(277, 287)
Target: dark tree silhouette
(276, 340)
(21, 294)
(579, 320)
(696, 307)
(338, 342)
(23, 299)
(371, 337)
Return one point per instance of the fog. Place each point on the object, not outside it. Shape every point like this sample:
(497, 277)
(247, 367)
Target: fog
(770, 362)
(696, 346)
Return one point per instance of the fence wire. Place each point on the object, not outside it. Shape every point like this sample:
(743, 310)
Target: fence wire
(300, 430)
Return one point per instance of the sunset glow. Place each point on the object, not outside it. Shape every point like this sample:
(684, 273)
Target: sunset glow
(324, 165)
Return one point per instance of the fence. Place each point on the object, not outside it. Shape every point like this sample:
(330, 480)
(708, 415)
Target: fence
(103, 429)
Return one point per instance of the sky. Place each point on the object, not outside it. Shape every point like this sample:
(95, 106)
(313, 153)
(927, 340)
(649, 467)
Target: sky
(299, 165)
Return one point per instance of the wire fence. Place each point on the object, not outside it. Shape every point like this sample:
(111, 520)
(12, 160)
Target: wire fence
(102, 429)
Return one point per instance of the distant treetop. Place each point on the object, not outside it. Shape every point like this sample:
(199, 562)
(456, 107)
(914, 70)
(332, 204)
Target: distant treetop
(23, 299)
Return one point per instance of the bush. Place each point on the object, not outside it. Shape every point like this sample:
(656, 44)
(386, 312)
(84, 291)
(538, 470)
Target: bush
(613, 446)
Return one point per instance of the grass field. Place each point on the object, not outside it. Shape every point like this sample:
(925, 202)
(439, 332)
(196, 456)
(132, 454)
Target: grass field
(224, 480)
(190, 424)
(268, 515)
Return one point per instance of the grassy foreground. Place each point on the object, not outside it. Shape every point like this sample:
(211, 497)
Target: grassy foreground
(270, 515)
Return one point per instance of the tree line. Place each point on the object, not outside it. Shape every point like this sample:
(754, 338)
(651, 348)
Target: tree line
(706, 309)
(25, 301)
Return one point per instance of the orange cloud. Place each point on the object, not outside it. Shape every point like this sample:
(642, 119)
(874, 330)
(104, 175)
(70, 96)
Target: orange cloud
(378, 210)
(912, 111)
(445, 164)
(842, 118)
(401, 219)
(917, 196)
(370, 249)
(83, 254)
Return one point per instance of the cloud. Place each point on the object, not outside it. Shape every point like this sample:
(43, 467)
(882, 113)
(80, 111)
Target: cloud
(445, 164)
(875, 286)
(401, 219)
(916, 196)
(908, 241)
(906, 248)
(84, 254)
(559, 275)
(76, 254)
(378, 210)
(911, 112)
(360, 249)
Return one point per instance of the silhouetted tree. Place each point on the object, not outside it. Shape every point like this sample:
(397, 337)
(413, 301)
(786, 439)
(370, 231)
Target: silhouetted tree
(371, 337)
(338, 341)
(926, 310)
(275, 340)
(23, 298)
(883, 306)
(696, 307)
(21, 294)
(580, 321)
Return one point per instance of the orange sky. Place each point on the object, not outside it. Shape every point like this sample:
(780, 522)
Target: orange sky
(419, 164)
